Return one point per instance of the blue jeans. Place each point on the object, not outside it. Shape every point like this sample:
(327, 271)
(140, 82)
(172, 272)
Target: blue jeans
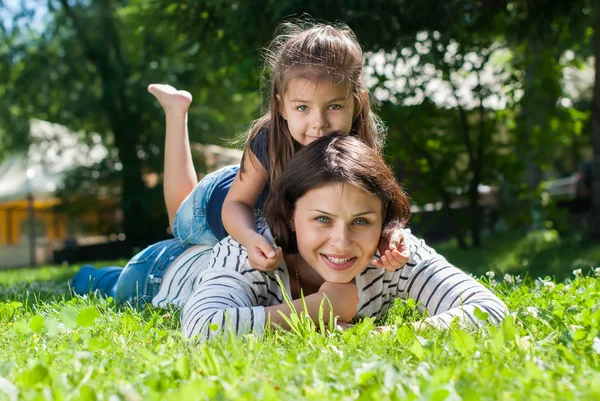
(191, 225)
(137, 282)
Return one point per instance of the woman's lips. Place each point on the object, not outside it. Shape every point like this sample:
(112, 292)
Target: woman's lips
(338, 266)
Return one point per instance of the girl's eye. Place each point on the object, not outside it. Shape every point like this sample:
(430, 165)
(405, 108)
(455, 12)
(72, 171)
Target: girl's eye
(335, 107)
(361, 222)
(302, 108)
(323, 219)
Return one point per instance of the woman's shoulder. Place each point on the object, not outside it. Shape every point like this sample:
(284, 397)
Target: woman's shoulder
(229, 253)
(419, 250)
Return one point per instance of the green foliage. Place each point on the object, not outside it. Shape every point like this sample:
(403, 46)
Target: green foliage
(509, 53)
(88, 66)
(537, 253)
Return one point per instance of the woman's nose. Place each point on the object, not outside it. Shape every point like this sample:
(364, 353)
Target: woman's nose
(341, 239)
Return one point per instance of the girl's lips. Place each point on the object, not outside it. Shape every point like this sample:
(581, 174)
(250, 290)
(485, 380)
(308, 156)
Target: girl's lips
(338, 266)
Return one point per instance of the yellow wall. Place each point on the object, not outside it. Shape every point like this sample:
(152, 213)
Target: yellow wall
(13, 215)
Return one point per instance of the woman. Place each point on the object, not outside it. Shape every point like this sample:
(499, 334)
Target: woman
(333, 203)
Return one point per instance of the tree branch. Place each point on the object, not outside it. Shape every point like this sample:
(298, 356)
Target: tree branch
(87, 45)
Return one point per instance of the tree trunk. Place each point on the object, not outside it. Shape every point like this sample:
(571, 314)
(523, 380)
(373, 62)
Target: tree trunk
(124, 121)
(457, 227)
(137, 223)
(475, 214)
(595, 218)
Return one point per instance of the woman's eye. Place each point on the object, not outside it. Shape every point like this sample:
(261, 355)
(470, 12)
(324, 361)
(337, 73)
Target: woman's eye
(322, 219)
(335, 107)
(302, 108)
(361, 222)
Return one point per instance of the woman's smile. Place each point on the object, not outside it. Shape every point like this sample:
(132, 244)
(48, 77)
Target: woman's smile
(338, 263)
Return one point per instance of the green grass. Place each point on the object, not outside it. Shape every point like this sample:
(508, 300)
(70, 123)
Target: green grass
(57, 347)
(536, 254)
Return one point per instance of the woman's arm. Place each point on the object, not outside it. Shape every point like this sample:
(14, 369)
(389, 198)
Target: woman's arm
(341, 299)
(445, 291)
(230, 302)
(231, 296)
(225, 300)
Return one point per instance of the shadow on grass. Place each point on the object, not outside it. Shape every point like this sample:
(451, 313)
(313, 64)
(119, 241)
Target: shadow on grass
(534, 254)
(32, 293)
(44, 284)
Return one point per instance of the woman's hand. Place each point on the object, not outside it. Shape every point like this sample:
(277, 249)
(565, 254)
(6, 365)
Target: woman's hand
(394, 252)
(343, 298)
(262, 256)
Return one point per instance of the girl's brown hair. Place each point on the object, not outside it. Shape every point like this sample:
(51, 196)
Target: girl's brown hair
(316, 52)
(333, 159)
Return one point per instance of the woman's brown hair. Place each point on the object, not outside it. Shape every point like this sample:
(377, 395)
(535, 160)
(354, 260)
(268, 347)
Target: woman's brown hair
(333, 159)
(315, 52)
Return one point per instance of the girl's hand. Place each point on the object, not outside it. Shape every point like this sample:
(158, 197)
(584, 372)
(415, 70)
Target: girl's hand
(394, 252)
(343, 297)
(262, 256)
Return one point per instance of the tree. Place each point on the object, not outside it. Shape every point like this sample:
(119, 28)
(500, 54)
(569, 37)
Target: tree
(453, 134)
(547, 29)
(595, 221)
(102, 60)
(391, 27)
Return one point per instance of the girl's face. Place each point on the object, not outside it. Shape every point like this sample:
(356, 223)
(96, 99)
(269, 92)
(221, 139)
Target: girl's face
(337, 227)
(316, 109)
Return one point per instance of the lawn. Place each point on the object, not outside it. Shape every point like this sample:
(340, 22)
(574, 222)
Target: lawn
(58, 347)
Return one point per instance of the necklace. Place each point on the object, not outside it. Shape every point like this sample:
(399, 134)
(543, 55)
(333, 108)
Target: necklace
(297, 276)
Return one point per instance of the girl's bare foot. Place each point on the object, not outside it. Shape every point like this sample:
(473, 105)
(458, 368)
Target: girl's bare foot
(171, 99)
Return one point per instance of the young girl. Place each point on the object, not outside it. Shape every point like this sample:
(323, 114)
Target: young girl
(316, 90)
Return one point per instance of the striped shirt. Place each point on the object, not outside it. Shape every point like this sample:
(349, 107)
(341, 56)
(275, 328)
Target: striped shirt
(229, 295)
(180, 278)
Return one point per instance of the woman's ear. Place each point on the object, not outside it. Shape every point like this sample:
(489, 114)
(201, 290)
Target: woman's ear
(280, 107)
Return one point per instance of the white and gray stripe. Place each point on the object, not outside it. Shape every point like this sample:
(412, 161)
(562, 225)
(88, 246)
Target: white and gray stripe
(231, 295)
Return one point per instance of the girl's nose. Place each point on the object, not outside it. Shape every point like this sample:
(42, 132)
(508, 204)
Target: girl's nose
(319, 121)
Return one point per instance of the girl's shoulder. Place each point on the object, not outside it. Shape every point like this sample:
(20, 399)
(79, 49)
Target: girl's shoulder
(259, 145)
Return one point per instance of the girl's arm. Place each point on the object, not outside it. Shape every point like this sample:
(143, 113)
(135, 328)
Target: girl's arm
(444, 291)
(238, 214)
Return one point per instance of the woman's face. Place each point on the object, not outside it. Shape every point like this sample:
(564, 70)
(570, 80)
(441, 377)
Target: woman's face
(338, 227)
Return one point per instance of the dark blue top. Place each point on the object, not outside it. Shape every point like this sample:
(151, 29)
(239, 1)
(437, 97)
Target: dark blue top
(259, 146)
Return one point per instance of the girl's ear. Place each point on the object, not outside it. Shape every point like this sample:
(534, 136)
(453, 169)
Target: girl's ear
(359, 102)
(280, 108)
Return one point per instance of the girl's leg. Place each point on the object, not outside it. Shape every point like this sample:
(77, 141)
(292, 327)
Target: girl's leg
(191, 225)
(135, 284)
(141, 279)
(179, 172)
(103, 280)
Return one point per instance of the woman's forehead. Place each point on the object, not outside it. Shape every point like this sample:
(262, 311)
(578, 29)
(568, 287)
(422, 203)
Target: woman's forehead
(337, 197)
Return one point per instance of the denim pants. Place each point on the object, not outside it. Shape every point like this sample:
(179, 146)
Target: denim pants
(137, 282)
(190, 225)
